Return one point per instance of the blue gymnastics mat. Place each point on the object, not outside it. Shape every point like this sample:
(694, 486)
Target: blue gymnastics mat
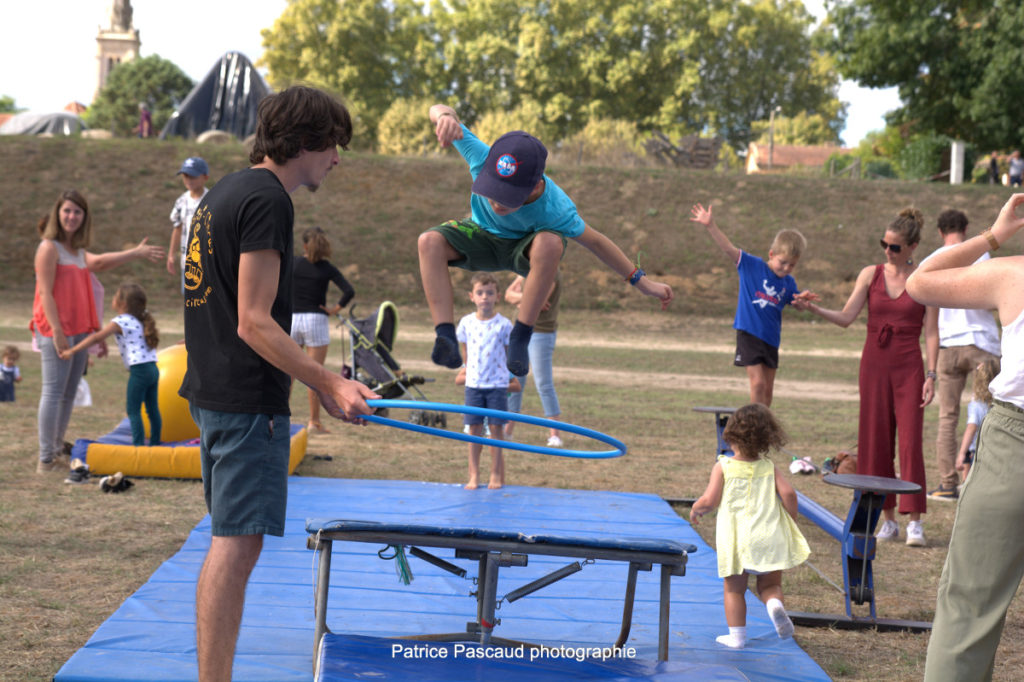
(152, 635)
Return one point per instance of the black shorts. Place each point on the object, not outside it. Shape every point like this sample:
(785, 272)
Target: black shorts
(751, 350)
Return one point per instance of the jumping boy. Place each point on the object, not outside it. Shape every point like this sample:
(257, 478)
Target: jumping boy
(194, 174)
(765, 288)
(483, 337)
(520, 222)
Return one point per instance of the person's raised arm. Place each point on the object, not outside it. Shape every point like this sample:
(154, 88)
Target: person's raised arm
(447, 126)
(98, 262)
(951, 280)
(611, 255)
(702, 216)
(258, 273)
(854, 304)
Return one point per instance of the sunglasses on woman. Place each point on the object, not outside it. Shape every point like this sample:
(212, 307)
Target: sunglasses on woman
(896, 248)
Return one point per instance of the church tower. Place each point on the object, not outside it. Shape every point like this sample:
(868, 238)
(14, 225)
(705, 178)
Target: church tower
(117, 43)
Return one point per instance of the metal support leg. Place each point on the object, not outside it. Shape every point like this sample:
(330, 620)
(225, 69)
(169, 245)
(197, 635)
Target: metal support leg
(664, 600)
(323, 582)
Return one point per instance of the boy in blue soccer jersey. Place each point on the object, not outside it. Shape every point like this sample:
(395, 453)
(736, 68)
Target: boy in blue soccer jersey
(765, 289)
(520, 222)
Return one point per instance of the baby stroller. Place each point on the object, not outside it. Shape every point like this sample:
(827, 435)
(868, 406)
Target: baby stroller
(372, 364)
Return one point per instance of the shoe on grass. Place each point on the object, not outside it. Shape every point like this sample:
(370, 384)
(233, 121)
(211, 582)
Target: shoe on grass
(944, 494)
(43, 467)
(889, 531)
(554, 442)
(915, 534)
(79, 472)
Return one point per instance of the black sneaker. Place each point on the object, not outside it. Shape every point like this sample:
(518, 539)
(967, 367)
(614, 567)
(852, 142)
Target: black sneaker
(115, 483)
(944, 494)
(79, 472)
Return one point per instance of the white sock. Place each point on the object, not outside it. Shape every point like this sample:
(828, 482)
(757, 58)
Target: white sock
(736, 639)
(777, 612)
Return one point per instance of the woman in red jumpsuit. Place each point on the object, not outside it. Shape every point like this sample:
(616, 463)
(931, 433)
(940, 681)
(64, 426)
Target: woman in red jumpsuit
(894, 386)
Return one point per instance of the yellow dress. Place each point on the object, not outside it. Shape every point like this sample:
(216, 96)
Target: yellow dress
(755, 532)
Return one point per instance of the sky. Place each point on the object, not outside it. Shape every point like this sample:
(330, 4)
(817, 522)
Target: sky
(48, 52)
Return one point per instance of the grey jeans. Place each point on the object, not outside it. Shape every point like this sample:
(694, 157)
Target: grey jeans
(57, 393)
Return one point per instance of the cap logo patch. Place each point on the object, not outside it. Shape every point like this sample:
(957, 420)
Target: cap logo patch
(506, 165)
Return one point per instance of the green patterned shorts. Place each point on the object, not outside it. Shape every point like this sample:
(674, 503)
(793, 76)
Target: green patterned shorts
(483, 251)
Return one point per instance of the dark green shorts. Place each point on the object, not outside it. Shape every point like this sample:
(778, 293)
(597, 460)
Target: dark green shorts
(483, 251)
(244, 459)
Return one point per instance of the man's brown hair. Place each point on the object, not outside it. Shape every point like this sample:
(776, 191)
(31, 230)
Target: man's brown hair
(296, 119)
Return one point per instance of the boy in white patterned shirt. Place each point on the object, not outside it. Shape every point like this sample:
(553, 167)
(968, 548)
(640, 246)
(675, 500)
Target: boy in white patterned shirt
(194, 174)
(483, 337)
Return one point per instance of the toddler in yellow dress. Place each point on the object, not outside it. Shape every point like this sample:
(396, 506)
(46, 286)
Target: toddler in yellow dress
(756, 532)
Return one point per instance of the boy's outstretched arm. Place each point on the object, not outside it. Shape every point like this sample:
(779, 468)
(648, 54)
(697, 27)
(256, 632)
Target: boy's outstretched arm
(611, 255)
(447, 127)
(702, 216)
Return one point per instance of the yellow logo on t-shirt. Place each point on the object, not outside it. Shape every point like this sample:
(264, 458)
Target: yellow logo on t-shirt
(200, 232)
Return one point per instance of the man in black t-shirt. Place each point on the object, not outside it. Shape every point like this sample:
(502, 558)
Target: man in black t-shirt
(240, 355)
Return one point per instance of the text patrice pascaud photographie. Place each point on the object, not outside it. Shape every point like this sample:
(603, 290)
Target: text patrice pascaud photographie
(523, 652)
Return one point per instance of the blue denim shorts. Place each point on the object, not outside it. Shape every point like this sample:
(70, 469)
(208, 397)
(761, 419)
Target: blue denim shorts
(245, 470)
(491, 398)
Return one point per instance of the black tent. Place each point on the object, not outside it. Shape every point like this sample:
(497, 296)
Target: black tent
(225, 100)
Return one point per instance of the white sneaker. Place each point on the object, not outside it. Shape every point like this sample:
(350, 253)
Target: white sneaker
(890, 530)
(554, 442)
(915, 534)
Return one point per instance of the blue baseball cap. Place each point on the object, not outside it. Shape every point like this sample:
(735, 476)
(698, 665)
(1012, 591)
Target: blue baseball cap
(514, 166)
(194, 166)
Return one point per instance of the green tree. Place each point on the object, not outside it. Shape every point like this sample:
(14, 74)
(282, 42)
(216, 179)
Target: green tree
(682, 66)
(369, 52)
(7, 105)
(153, 81)
(404, 128)
(957, 65)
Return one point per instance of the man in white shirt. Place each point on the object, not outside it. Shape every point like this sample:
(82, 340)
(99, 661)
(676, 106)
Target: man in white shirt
(966, 339)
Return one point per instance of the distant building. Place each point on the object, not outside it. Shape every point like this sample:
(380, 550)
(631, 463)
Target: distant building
(119, 42)
(785, 156)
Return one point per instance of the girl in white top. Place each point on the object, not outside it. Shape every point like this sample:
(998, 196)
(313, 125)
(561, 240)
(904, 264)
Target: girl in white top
(983, 566)
(135, 332)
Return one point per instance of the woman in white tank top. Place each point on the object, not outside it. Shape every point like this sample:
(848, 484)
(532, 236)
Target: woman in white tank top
(984, 565)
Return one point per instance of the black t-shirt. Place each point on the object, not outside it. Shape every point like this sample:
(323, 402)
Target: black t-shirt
(309, 285)
(246, 211)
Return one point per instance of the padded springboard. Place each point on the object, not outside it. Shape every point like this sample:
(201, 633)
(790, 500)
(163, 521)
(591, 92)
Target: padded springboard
(152, 635)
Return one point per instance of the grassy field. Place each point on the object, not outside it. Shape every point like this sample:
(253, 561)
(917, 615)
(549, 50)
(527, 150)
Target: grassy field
(70, 555)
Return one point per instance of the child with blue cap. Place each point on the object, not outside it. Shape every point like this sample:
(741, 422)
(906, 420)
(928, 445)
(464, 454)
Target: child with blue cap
(194, 174)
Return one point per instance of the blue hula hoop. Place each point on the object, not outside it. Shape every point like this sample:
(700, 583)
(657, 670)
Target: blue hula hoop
(620, 447)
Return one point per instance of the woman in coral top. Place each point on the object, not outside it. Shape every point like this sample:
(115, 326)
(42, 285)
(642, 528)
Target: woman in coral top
(64, 311)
